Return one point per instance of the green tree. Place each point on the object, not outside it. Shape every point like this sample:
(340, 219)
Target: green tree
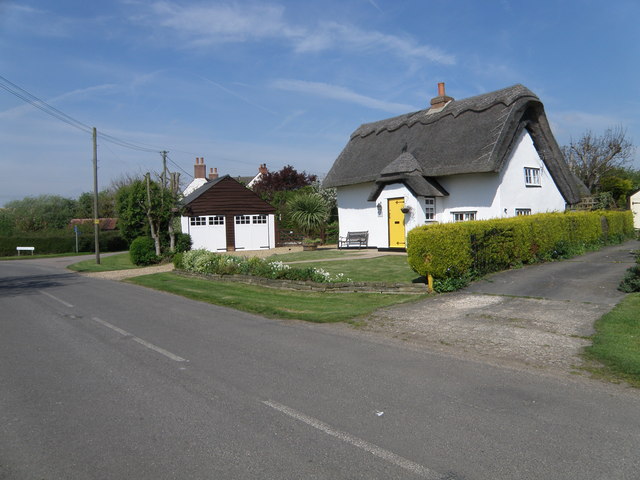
(131, 210)
(45, 212)
(106, 204)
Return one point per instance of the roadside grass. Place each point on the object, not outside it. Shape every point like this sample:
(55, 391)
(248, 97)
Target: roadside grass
(309, 306)
(48, 255)
(121, 261)
(616, 343)
(319, 254)
(390, 268)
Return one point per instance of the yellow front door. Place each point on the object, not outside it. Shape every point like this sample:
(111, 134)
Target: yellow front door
(396, 222)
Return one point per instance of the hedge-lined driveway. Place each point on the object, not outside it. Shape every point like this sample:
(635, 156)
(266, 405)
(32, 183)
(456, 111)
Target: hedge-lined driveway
(538, 316)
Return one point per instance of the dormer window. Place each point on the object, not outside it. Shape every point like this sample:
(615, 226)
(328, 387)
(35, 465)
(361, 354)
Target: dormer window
(531, 177)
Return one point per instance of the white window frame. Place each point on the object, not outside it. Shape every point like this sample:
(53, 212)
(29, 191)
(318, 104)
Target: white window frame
(243, 219)
(522, 212)
(259, 219)
(430, 209)
(464, 216)
(532, 176)
(216, 220)
(197, 221)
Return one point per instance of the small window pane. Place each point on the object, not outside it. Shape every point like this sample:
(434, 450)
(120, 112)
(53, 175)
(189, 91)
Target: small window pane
(243, 220)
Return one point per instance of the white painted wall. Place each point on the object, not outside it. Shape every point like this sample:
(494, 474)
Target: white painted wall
(490, 195)
(634, 201)
(248, 237)
(514, 194)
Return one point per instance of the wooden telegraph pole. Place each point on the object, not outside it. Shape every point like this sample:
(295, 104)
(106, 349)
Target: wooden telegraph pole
(96, 222)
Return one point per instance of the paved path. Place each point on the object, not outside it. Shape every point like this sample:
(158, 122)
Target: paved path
(538, 316)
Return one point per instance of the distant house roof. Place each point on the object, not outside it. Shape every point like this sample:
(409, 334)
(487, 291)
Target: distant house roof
(104, 223)
(473, 135)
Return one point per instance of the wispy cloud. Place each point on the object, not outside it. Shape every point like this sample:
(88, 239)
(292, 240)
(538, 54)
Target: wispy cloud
(36, 21)
(334, 35)
(237, 95)
(216, 24)
(343, 94)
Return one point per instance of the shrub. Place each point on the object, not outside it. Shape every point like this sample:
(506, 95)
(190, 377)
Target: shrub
(183, 242)
(177, 261)
(143, 251)
(631, 281)
(467, 249)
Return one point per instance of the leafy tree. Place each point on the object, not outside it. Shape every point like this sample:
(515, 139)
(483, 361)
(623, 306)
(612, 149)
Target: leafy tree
(45, 212)
(106, 204)
(131, 210)
(286, 179)
(144, 208)
(593, 156)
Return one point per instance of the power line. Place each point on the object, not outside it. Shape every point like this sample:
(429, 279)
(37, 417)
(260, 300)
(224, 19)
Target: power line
(40, 104)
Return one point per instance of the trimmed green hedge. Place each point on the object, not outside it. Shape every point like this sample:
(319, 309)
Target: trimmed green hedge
(61, 243)
(453, 250)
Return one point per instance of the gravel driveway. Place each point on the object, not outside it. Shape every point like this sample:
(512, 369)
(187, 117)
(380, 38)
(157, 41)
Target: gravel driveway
(539, 316)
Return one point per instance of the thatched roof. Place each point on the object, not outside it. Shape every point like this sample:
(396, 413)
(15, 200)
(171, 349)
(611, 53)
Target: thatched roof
(473, 135)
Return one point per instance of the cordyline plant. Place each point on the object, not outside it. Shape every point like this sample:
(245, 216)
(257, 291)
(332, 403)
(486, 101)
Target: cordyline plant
(309, 212)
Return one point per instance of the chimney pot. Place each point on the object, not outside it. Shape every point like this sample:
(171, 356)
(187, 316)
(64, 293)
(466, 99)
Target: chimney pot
(213, 173)
(199, 169)
(441, 100)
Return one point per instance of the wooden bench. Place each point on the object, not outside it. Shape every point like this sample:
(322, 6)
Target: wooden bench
(354, 239)
(25, 249)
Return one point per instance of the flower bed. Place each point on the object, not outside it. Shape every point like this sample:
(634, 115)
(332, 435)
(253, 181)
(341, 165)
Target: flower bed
(205, 262)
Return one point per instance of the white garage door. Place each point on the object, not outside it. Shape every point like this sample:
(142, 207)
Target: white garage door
(252, 232)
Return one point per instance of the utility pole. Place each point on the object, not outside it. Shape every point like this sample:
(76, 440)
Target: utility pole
(164, 169)
(96, 222)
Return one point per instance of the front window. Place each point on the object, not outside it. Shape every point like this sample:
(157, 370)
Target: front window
(197, 221)
(430, 208)
(216, 220)
(523, 211)
(262, 219)
(463, 216)
(531, 176)
(243, 220)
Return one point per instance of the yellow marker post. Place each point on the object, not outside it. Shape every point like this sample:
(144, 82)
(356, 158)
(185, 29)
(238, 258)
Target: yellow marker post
(429, 283)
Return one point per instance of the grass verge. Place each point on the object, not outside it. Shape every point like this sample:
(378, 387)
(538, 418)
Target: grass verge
(616, 344)
(120, 261)
(308, 306)
(390, 268)
(48, 255)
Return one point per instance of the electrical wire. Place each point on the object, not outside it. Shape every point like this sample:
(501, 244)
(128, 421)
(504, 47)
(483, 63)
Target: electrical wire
(40, 104)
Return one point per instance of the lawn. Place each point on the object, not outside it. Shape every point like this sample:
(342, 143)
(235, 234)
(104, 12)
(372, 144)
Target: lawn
(319, 254)
(616, 343)
(121, 261)
(390, 268)
(309, 306)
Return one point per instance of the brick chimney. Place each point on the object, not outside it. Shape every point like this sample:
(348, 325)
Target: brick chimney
(199, 169)
(438, 103)
(213, 173)
(263, 169)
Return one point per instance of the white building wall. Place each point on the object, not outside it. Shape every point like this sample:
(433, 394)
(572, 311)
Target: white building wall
(489, 195)
(634, 203)
(513, 191)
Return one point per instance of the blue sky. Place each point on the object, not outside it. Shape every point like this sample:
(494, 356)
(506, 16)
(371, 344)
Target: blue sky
(244, 83)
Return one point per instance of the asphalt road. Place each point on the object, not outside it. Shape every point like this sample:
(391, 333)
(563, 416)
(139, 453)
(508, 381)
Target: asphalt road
(105, 380)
